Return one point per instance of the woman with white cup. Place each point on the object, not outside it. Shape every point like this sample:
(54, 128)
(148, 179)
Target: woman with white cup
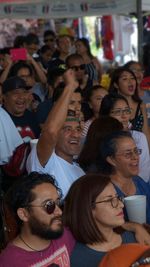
(119, 158)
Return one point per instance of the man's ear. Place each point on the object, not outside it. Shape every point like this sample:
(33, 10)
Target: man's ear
(23, 214)
(111, 161)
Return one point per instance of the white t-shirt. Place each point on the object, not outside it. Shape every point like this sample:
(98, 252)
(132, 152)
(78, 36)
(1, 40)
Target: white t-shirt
(10, 138)
(64, 172)
(144, 164)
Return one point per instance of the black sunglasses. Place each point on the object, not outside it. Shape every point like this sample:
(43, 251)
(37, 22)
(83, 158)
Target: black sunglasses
(49, 206)
(80, 67)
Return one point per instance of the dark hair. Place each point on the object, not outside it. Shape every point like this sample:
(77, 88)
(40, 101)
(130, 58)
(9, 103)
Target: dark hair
(74, 56)
(59, 90)
(86, 43)
(44, 49)
(87, 110)
(53, 74)
(20, 195)
(49, 32)
(130, 63)
(92, 90)
(108, 148)
(79, 204)
(19, 41)
(98, 130)
(108, 103)
(31, 38)
(20, 65)
(115, 78)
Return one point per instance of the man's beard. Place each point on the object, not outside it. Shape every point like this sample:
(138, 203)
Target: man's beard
(45, 231)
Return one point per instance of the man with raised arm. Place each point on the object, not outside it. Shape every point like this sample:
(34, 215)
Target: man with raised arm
(59, 141)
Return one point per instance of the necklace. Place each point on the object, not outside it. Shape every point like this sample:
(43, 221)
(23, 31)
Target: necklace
(33, 249)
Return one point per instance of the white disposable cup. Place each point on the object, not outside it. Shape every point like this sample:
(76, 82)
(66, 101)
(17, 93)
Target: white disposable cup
(136, 208)
(33, 142)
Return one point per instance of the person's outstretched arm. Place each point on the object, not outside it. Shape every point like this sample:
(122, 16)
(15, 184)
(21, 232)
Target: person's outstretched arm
(56, 119)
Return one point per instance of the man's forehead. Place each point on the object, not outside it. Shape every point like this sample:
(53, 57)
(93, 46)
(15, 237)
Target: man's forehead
(71, 121)
(75, 95)
(15, 91)
(45, 190)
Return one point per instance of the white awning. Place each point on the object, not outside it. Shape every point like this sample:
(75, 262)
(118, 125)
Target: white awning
(65, 8)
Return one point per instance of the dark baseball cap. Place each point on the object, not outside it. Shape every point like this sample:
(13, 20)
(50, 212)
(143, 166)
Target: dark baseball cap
(14, 83)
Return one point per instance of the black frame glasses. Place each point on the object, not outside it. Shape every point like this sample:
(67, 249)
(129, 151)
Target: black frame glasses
(114, 201)
(120, 111)
(49, 206)
(80, 67)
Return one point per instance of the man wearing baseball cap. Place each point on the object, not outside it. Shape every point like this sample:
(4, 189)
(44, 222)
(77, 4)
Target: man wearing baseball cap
(15, 93)
(15, 97)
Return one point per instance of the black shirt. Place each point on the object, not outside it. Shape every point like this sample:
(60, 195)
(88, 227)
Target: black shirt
(27, 125)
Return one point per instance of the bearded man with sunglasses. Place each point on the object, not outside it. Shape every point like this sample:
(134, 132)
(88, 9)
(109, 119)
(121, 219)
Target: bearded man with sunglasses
(41, 241)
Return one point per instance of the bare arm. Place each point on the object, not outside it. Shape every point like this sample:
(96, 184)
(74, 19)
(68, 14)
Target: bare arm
(141, 234)
(38, 69)
(5, 72)
(55, 120)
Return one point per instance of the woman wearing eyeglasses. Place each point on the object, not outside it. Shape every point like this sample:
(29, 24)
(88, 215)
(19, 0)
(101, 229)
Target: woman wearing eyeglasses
(124, 82)
(119, 158)
(92, 211)
(117, 107)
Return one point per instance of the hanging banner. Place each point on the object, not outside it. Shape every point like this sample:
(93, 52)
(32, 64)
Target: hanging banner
(63, 9)
(18, 1)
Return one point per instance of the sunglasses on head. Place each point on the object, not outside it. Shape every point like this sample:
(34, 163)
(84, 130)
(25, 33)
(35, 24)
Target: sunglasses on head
(49, 206)
(80, 67)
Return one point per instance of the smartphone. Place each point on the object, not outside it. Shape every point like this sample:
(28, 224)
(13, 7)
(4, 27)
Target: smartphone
(18, 54)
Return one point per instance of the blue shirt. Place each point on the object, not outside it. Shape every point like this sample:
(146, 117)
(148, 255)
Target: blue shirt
(142, 188)
(83, 256)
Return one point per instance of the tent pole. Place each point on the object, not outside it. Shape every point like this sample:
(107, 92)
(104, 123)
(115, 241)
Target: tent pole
(140, 29)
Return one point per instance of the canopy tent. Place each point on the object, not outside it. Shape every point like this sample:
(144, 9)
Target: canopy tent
(71, 9)
(67, 8)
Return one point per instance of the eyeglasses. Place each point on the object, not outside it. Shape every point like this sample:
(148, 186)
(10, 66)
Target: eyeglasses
(114, 201)
(49, 40)
(80, 67)
(119, 111)
(131, 153)
(49, 206)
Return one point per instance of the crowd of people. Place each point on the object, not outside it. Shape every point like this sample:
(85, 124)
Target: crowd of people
(91, 149)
